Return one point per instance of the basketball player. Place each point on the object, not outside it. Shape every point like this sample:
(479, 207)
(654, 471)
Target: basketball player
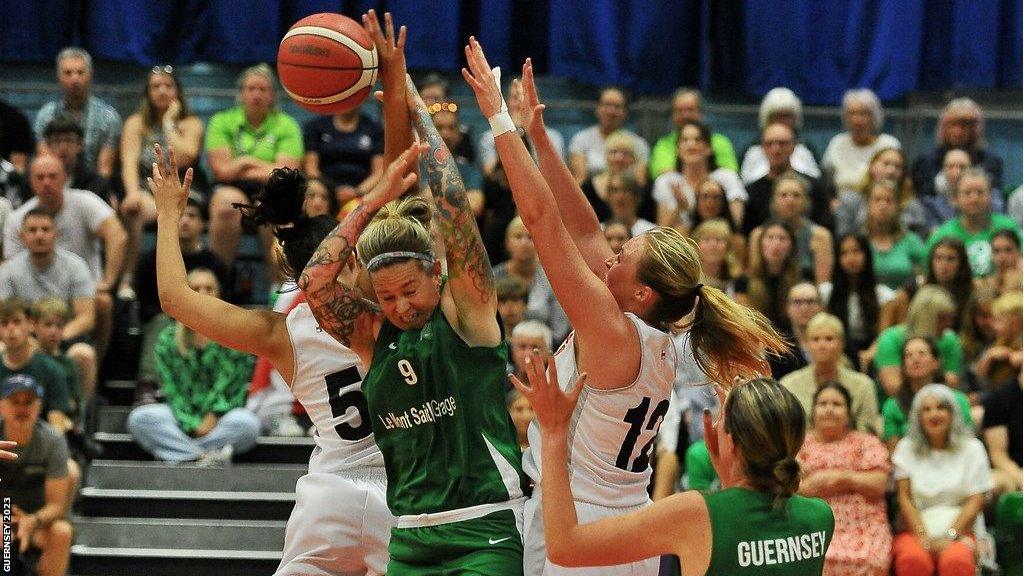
(340, 524)
(621, 307)
(436, 378)
(755, 525)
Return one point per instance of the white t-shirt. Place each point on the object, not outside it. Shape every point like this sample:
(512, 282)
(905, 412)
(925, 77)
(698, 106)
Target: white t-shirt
(940, 480)
(590, 144)
(848, 162)
(663, 195)
(755, 164)
(77, 223)
(857, 330)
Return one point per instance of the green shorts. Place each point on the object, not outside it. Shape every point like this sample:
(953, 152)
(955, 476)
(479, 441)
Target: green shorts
(487, 546)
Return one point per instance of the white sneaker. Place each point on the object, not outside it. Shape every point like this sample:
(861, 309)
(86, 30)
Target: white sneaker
(285, 425)
(218, 457)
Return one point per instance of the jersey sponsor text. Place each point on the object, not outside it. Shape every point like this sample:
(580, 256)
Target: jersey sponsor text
(428, 413)
(781, 550)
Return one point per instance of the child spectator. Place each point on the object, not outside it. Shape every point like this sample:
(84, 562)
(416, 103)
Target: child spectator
(51, 316)
(512, 294)
(522, 414)
(1002, 360)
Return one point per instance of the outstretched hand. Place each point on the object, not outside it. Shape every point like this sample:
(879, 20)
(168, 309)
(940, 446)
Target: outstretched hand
(481, 79)
(5, 453)
(532, 110)
(390, 49)
(552, 407)
(397, 178)
(168, 189)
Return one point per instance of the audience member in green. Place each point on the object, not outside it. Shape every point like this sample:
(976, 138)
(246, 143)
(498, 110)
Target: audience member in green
(686, 105)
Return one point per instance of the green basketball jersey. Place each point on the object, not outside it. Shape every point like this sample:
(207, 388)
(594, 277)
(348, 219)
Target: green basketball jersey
(748, 536)
(439, 417)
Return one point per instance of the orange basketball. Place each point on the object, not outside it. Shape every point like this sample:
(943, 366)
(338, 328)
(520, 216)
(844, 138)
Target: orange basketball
(327, 63)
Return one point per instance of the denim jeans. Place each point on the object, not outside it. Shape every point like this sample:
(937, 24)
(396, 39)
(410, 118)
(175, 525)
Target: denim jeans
(154, 427)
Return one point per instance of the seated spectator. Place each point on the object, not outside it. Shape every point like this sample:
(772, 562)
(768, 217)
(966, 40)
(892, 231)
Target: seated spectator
(13, 189)
(522, 414)
(100, 122)
(320, 201)
(711, 204)
(36, 484)
(63, 137)
(529, 337)
(524, 264)
(434, 90)
(887, 166)
(850, 470)
(948, 269)
(165, 118)
(941, 205)
(1015, 205)
(204, 385)
(977, 223)
(854, 296)
(930, 315)
(942, 477)
(243, 144)
(961, 125)
(1002, 434)
(616, 233)
(52, 315)
(790, 204)
(686, 106)
(488, 154)
(779, 142)
(1001, 361)
(719, 265)
(675, 190)
(512, 294)
(772, 272)
(976, 331)
(83, 222)
(779, 105)
(898, 254)
(344, 150)
(620, 151)
(921, 365)
(17, 142)
(624, 198)
(846, 158)
(446, 119)
(1006, 259)
(802, 304)
(586, 149)
(824, 341)
(45, 270)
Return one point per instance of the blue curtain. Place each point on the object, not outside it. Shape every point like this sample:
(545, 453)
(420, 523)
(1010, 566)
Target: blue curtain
(743, 47)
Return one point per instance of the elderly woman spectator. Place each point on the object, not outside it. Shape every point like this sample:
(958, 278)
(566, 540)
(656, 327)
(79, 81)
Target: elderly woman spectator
(675, 191)
(779, 105)
(686, 105)
(931, 315)
(719, 265)
(586, 149)
(961, 125)
(855, 297)
(620, 156)
(790, 204)
(850, 470)
(846, 158)
(920, 366)
(942, 476)
(897, 253)
(205, 387)
(346, 151)
(165, 118)
(886, 165)
(243, 144)
(824, 337)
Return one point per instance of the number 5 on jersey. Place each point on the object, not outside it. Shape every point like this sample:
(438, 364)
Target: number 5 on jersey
(341, 403)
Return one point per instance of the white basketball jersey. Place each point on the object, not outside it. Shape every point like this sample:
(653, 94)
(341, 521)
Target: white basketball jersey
(327, 382)
(613, 432)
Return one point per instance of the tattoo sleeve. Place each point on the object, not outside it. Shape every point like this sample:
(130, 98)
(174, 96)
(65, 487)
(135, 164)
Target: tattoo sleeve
(335, 305)
(467, 259)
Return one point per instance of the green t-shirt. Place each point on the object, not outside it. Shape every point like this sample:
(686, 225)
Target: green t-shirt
(700, 473)
(894, 420)
(439, 417)
(50, 376)
(664, 154)
(890, 349)
(750, 536)
(979, 249)
(895, 267)
(279, 134)
(67, 365)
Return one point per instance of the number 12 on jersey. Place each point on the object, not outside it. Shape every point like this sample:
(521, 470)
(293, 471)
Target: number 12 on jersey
(636, 417)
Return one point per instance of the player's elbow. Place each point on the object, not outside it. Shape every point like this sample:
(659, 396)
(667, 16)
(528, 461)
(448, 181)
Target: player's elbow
(563, 553)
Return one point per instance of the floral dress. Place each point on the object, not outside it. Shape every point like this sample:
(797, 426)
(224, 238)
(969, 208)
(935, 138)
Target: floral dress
(862, 539)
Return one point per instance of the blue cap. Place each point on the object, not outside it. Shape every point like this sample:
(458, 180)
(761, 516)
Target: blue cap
(18, 382)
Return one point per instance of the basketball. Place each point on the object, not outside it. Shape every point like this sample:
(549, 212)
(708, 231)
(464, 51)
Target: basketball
(327, 63)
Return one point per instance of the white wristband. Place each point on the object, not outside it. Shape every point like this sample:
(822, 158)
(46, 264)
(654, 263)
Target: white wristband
(501, 123)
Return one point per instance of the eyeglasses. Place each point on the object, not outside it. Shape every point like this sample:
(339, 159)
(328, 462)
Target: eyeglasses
(165, 69)
(439, 106)
(804, 302)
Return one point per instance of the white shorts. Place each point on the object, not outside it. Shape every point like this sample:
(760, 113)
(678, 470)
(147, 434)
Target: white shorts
(340, 526)
(535, 557)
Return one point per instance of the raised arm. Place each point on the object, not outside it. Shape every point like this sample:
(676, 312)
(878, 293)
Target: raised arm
(577, 215)
(592, 310)
(470, 281)
(259, 332)
(391, 52)
(340, 306)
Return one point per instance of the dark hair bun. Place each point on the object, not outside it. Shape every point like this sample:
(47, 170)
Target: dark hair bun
(280, 201)
(787, 476)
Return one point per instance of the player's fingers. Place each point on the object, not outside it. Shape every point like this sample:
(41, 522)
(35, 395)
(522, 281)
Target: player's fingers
(577, 388)
(523, 388)
(468, 77)
(710, 437)
(172, 161)
(187, 184)
(401, 37)
(389, 28)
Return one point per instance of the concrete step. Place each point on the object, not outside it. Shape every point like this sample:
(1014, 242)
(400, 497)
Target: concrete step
(175, 534)
(185, 504)
(112, 418)
(269, 449)
(128, 475)
(89, 561)
(118, 392)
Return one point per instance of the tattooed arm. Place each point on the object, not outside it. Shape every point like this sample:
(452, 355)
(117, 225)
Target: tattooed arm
(473, 305)
(337, 303)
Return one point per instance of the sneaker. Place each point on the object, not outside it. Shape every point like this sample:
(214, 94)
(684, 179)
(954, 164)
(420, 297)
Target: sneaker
(146, 392)
(285, 425)
(219, 457)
